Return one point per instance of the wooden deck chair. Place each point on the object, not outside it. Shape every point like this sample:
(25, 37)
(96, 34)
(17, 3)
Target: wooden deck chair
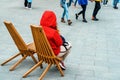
(24, 49)
(44, 52)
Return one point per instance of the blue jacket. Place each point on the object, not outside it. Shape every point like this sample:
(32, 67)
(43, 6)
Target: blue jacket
(82, 2)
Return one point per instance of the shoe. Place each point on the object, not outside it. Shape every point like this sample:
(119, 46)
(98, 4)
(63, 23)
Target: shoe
(84, 20)
(62, 65)
(76, 16)
(95, 19)
(115, 7)
(69, 22)
(62, 20)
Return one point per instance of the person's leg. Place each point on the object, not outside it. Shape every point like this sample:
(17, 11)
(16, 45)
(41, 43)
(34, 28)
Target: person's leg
(96, 9)
(83, 14)
(63, 54)
(84, 9)
(81, 10)
(115, 4)
(104, 2)
(63, 15)
(67, 15)
(25, 3)
(77, 14)
(66, 12)
(29, 4)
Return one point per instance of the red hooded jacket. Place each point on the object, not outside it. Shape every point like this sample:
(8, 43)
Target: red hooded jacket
(49, 24)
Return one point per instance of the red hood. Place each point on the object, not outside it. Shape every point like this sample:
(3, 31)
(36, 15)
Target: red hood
(48, 19)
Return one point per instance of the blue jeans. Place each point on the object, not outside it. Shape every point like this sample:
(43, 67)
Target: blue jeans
(65, 12)
(115, 3)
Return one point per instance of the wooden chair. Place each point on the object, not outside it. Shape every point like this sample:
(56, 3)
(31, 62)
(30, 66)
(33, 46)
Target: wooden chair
(24, 49)
(44, 52)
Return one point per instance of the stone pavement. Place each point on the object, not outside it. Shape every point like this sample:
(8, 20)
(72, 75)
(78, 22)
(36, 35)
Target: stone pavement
(95, 54)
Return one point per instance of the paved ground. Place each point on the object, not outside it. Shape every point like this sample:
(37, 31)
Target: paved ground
(96, 45)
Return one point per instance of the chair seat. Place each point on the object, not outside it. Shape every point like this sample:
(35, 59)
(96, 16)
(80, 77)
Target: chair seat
(31, 47)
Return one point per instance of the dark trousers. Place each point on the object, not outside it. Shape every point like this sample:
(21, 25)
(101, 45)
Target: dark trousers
(83, 11)
(97, 8)
(26, 3)
(29, 4)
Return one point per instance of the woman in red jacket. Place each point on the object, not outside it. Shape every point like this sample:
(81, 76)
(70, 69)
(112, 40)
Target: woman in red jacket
(49, 24)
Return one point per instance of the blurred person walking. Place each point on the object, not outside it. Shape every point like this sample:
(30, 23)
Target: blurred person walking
(65, 5)
(96, 9)
(83, 4)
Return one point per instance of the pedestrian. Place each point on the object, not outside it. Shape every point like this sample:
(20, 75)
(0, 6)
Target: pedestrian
(28, 3)
(56, 40)
(65, 5)
(83, 4)
(115, 2)
(96, 9)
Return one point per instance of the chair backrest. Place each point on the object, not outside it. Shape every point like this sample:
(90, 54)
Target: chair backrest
(15, 36)
(42, 45)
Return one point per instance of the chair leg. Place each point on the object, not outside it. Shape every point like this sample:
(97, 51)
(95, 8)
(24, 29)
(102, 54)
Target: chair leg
(34, 59)
(17, 63)
(34, 67)
(10, 59)
(59, 68)
(45, 71)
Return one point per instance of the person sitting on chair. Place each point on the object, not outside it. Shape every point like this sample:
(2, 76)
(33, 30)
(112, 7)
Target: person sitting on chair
(57, 41)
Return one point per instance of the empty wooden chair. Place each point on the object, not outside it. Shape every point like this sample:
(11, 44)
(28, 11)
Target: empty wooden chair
(24, 49)
(44, 52)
